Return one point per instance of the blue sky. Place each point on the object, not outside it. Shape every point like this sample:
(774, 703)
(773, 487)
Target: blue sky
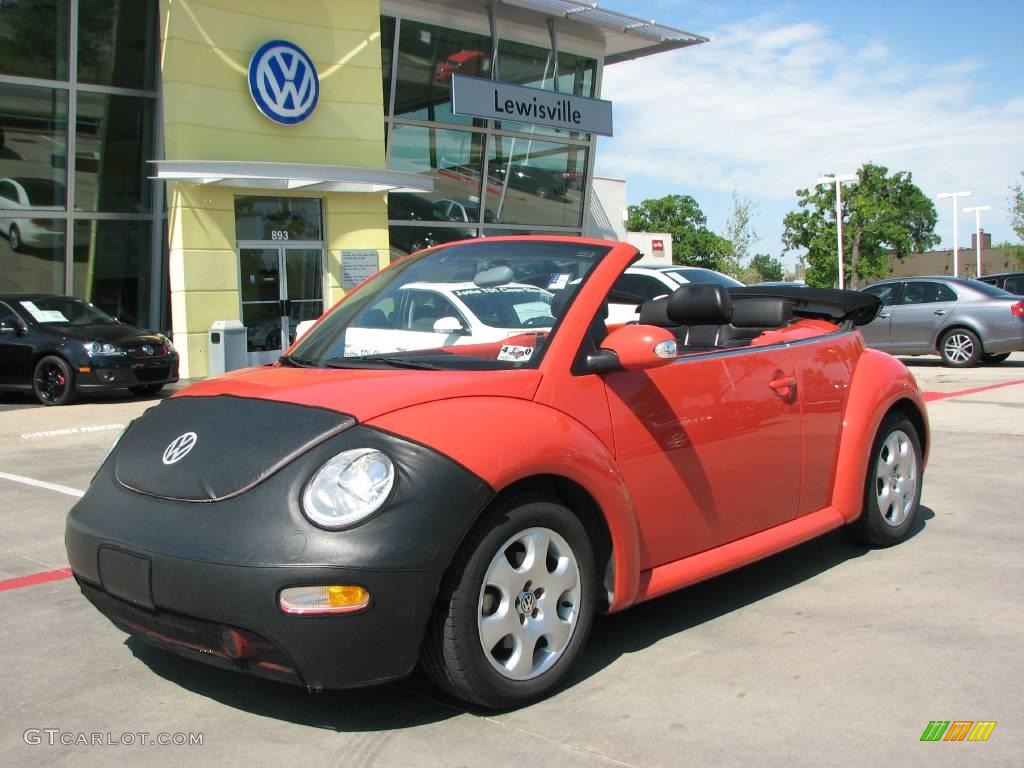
(785, 92)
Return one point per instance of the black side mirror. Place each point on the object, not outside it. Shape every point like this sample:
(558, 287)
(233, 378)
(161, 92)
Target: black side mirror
(17, 327)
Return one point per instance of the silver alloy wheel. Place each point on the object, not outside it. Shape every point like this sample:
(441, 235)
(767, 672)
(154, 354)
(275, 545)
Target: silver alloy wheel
(958, 347)
(896, 478)
(529, 603)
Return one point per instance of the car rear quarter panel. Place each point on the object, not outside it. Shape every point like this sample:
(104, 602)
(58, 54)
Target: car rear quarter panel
(998, 329)
(879, 383)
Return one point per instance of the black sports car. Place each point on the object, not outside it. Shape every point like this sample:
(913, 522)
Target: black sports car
(58, 346)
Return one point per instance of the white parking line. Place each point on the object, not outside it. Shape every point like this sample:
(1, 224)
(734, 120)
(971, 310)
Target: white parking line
(43, 484)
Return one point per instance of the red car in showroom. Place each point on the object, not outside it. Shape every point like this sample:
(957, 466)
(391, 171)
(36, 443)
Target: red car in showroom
(357, 508)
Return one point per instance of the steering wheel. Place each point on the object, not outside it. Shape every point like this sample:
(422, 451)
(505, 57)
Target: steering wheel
(540, 321)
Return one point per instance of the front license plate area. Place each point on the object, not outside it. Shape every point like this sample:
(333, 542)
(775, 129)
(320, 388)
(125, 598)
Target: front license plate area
(126, 576)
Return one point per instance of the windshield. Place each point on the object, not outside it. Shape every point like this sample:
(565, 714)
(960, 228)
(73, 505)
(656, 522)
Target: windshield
(64, 309)
(701, 275)
(481, 305)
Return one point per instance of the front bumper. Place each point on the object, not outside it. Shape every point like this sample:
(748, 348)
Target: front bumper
(116, 372)
(178, 574)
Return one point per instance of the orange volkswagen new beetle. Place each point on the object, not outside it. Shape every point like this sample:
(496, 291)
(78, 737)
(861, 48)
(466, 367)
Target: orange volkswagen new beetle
(462, 463)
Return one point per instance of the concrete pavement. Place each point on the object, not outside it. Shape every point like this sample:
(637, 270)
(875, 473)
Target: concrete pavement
(826, 655)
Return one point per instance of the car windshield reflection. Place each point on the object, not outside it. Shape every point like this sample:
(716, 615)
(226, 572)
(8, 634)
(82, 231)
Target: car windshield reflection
(480, 305)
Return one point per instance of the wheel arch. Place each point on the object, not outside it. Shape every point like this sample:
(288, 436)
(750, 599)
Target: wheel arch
(519, 445)
(955, 326)
(880, 384)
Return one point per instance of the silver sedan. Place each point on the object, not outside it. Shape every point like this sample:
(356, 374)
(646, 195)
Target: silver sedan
(963, 321)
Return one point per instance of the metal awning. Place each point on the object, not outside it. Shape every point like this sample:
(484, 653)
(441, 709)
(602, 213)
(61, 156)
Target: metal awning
(290, 176)
(626, 37)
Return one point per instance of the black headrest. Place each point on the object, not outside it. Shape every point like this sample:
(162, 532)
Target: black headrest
(699, 304)
(761, 313)
(655, 312)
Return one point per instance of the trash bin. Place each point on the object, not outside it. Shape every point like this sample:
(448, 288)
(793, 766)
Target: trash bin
(227, 342)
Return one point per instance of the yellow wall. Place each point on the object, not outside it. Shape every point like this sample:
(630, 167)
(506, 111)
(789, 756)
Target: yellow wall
(210, 115)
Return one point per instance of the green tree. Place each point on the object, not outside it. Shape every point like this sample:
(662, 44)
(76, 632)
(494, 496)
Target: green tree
(693, 244)
(766, 268)
(1017, 209)
(741, 235)
(882, 215)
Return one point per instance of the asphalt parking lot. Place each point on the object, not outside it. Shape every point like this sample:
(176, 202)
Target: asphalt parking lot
(829, 654)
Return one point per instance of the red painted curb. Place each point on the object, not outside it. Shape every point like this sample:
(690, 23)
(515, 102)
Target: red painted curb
(35, 578)
(932, 396)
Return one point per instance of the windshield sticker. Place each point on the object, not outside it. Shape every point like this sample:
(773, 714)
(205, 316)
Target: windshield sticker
(558, 281)
(43, 315)
(502, 289)
(515, 354)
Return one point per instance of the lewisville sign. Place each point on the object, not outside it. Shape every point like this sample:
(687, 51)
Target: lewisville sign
(493, 99)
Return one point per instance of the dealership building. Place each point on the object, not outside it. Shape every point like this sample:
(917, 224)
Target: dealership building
(183, 162)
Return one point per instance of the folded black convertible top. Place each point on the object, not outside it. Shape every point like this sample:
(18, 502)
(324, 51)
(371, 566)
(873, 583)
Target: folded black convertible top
(854, 306)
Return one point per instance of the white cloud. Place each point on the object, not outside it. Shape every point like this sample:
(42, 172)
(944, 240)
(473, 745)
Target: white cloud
(768, 106)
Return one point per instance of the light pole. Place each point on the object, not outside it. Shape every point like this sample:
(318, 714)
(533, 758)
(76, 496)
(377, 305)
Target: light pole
(838, 180)
(977, 228)
(956, 232)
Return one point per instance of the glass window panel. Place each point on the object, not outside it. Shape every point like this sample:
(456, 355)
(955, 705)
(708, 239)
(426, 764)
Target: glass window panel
(33, 141)
(114, 141)
(453, 159)
(428, 56)
(534, 67)
(278, 218)
(387, 52)
(406, 240)
(31, 255)
(117, 42)
(34, 38)
(112, 268)
(535, 182)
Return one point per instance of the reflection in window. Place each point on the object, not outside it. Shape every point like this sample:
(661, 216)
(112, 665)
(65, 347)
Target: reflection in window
(406, 240)
(387, 53)
(34, 38)
(112, 268)
(535, 182)
(114, 137)
(32, 255)
(116, 42)
(428, 56)
(278, 218)
(453, 159)
(33, 132)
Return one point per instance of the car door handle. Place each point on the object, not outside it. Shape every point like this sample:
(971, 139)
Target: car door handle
(940, 311)
(780, 384)
(883, 316)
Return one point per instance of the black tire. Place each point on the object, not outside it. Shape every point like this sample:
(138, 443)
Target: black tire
(960, 348)
(453, 654)
(53, 381)
(14, 238)
(542, 192)
(146, 389)
(994, 359)
(878, 527)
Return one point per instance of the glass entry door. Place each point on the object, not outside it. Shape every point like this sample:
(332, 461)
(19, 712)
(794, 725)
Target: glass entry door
(281, 285)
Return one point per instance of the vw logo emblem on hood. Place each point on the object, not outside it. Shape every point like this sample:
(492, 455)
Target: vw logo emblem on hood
(283, 82)
(180, 447)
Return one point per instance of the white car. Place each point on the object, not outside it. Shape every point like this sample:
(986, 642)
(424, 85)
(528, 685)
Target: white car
(431, 315)
(643, 282)
(19, 194)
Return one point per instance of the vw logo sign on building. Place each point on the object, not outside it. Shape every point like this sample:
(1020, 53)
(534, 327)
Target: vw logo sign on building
(179, 447)
(283, 82)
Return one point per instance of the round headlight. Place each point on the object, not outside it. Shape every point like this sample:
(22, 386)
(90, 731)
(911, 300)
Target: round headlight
(348, 488)
(96, 348)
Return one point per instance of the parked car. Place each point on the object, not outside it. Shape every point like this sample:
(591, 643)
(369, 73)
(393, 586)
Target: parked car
(471, 506)
(58, 346)
(464, 62)
(449, 209)
(529, 178)
(643, 282)
(1011, 282)
(20, 194)
(963, 321)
